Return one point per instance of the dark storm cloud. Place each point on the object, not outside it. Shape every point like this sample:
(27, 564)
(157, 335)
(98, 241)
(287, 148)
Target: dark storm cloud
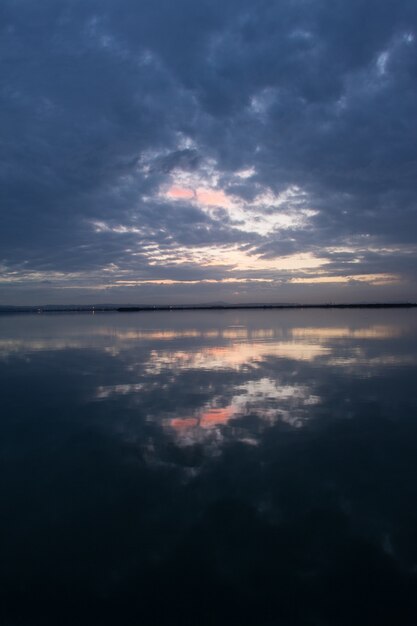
(104, 103)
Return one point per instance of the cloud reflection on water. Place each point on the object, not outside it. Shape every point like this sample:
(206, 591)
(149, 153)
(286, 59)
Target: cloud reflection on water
(216, 385)
(233, 447)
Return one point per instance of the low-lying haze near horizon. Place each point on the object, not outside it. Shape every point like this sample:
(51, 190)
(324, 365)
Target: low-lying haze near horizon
(194, 151)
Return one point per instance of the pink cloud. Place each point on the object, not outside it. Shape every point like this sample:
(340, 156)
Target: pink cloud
(211, 197)
(180, 193)
(203, 195)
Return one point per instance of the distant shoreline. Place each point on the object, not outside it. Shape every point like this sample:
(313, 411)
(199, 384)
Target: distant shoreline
(202, 307)
(403, 305)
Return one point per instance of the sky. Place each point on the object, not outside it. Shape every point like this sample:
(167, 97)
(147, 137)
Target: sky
(162, 152)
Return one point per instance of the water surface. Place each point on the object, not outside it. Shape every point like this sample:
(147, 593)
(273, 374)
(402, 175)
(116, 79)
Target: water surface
(222, 467)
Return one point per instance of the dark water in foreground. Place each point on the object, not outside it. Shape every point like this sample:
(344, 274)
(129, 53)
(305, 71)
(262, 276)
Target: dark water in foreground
(193, 468)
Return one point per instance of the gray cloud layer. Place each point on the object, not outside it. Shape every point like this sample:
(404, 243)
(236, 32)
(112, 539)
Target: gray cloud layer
(106, 105)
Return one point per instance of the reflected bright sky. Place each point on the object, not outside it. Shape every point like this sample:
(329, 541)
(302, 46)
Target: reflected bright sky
(233, 463)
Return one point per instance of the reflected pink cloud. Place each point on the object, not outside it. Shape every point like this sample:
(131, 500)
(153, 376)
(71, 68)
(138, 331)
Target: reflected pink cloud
(378, 331)
(234, 356)
(268, 398)
(183, 423)
(206, 419)
(213, 417)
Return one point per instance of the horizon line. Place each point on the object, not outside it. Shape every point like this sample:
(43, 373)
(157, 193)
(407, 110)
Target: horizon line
(57, 308)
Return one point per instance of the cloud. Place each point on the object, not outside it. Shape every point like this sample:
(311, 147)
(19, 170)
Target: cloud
(271, 129)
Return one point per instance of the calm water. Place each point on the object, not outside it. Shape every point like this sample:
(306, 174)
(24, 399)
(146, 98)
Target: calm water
(196, 468)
